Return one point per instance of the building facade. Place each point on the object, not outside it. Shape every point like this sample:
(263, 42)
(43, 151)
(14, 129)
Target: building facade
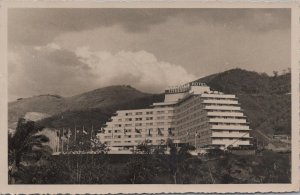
(190, 113)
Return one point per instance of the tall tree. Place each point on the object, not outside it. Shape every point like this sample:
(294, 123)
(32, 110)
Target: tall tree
(26, 148)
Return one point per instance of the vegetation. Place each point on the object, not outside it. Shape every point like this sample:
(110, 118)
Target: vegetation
(26, 150)
(266, 100)
(150, 165)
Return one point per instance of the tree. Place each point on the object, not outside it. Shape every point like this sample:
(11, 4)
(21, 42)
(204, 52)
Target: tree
(145, 163)
(89, 163)
(275, 74)
(26, 148)
(177, 158)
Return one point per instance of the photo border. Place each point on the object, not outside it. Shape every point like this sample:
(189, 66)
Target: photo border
(150, 188)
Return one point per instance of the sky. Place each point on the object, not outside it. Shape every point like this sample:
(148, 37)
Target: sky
(69, 51)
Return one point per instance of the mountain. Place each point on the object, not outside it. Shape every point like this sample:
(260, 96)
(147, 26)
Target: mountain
(266, 100)
(239, 81)
(93, 107)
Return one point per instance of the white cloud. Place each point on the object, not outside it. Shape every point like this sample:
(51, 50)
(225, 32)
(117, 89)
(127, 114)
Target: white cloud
(53, 46)
(46, 70)
(139, 69)
(49, 46)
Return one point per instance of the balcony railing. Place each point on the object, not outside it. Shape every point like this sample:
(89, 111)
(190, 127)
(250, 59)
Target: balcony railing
(223, 120)
(222, 108)
(212, 101)
(229, 127)
(219, 96)
(240, 114)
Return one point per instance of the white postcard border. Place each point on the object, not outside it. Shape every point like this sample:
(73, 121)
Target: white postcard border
(160, 188)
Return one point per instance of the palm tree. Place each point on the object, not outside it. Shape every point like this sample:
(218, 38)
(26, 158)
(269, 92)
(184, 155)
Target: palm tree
(26, 148)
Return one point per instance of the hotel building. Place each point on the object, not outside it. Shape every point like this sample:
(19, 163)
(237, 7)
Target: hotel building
(191, 113)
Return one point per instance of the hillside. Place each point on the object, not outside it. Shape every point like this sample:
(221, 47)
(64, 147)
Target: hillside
(266, 100)
(87, 108)
(239, 81)
(96, 116)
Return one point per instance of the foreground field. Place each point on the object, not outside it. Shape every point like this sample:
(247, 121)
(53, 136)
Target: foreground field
(268, 167)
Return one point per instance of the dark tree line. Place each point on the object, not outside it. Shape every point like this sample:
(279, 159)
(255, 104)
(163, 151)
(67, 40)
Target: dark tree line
(31, 162)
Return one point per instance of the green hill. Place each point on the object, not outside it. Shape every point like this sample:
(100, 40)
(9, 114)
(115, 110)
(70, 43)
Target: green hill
(86, 109)
(266, 100)
(97, 116)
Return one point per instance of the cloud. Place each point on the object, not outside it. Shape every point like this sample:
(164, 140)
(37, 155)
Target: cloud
(45, 70)
(139, 69)
(59, 71)
(42, 25)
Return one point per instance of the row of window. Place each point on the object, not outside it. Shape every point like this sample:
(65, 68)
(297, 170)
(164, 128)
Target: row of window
(140, 130)
(221, 138)
(218, 98)
(228, 124)
(146, 118)
(146, 124)
(149, 112)
(230, 131)
(135, 136)
(202, 126)
(136, 141)
(192, 133)
(226, 117)
(190, 119)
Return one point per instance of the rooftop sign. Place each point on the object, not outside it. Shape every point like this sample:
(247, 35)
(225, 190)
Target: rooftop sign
(183, 88)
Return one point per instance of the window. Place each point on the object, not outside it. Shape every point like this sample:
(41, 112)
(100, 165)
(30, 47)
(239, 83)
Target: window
(119, 120)
(160, 112)
(138, 113)
(149, 118)
(150, 112)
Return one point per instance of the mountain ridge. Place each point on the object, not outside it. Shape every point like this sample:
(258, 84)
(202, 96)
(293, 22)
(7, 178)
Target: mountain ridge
(265, 99)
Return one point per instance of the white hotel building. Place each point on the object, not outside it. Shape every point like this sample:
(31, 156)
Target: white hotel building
(190, 113)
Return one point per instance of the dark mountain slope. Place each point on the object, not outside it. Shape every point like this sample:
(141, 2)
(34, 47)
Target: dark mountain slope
(96, 117)
(48, 104)
(104, 97)
(265, 99)
(104, 100)
(238, 81)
